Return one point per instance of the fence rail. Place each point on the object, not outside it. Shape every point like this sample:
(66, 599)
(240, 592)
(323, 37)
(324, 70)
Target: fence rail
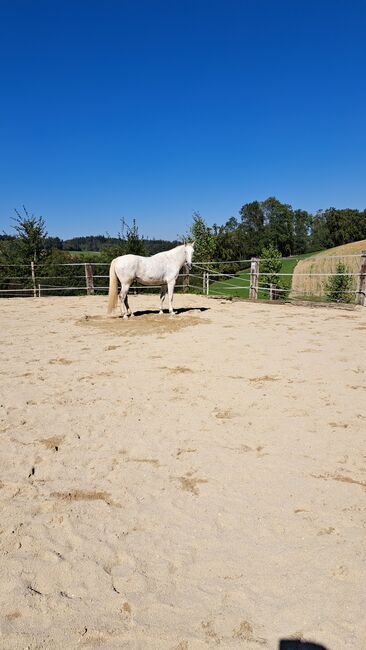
(204, 279)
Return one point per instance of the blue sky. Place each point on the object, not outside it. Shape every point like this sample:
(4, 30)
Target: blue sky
(154, 109)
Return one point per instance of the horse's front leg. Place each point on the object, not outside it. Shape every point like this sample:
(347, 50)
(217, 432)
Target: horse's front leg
(171, 286)
(162, 296)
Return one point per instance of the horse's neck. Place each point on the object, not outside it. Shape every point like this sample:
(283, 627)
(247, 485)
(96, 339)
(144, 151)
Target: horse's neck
(180, 255)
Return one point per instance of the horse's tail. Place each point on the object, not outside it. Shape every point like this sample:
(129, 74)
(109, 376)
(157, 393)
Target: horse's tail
(113, 288)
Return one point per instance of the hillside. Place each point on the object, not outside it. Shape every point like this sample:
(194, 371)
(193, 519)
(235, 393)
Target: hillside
(325, 262)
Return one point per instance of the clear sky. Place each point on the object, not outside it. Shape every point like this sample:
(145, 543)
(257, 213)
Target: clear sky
(152, 109)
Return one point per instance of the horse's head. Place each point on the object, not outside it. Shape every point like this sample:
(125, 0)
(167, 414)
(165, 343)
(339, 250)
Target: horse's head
(189, 248)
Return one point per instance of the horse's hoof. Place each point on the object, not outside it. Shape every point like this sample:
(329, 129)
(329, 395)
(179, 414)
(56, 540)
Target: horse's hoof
(125, 317)
(172, 313)
(161, 312)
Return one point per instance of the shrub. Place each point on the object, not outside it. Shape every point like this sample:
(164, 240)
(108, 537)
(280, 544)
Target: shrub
(338, 287)
(270, 266)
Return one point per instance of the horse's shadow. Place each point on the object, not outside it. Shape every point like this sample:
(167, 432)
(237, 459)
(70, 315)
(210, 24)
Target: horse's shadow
(298, 644)
(178, 311)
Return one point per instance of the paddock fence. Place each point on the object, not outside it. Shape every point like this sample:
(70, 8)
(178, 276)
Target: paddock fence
(308, 279)
(229, 278)
(75, 278)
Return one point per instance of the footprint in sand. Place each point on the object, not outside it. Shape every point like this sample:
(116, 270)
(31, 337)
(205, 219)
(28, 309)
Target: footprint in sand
(245, 633)
(149, 461)
(185, 451)
(84, 495)
(244, 449)
(189, 483)
(53, 442)
(61, 361)
(177, 370)
(326, 531)
(210, 633)
(182, 645)
(224, 414)
(264, 378)
(340, 572)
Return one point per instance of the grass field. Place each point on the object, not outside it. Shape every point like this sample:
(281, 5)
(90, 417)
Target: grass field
(238, 286)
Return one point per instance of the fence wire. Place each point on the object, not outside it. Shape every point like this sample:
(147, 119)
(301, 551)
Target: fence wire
(45, 280)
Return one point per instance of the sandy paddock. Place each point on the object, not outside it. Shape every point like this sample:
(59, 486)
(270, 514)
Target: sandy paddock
(181, 483)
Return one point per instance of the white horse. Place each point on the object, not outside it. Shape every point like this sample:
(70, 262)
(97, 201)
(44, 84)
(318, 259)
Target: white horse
(162, 268)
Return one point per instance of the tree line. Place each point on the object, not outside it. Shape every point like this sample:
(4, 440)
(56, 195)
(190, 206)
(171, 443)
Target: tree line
(54, 265)
(291, 232)
(259, 225)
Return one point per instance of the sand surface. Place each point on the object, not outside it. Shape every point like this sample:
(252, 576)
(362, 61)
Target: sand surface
(181, 483)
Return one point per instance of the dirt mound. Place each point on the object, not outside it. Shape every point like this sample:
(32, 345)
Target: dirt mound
(145, 323)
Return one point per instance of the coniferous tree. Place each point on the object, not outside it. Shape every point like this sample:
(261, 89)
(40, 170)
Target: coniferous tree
(203, 237)
(338, 288)
(30, 240)
(133, 243)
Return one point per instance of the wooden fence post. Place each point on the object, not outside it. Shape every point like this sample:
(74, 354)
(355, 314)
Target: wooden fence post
(361, 291)
(204, 282)
(271, 290)
(254, 270)
(34, 280)
(207, 283)
(89, 279)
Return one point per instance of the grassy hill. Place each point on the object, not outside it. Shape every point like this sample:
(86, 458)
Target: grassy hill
(324, 262)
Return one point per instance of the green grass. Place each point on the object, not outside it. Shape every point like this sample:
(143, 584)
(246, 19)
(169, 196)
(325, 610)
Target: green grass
(238, 286)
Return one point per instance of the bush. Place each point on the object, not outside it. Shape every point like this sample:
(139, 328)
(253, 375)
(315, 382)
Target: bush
(270, 265)
(338, 288)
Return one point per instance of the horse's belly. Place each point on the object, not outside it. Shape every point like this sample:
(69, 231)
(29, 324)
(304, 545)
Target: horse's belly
(150, 280)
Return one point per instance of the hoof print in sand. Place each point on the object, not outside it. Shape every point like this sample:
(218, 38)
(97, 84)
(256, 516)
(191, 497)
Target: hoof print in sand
(190, 484)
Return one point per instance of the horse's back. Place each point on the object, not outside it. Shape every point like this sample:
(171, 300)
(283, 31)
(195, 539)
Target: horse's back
(147, 270)
(127, 266)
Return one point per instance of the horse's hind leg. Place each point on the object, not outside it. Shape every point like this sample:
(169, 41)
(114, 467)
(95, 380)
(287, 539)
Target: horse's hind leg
(163, 291)
(129, 312)
(123, 298)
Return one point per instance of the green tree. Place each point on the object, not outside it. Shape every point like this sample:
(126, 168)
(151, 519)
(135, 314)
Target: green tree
(278, 218)
(252, 228)
(127, 242)
(320, 236)
(30, 244)
(270, 265)
(204, 239)
(302, 222)
(338, 288)
(225, 240)
(30, 241)
(133, 243)
(344, 226)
